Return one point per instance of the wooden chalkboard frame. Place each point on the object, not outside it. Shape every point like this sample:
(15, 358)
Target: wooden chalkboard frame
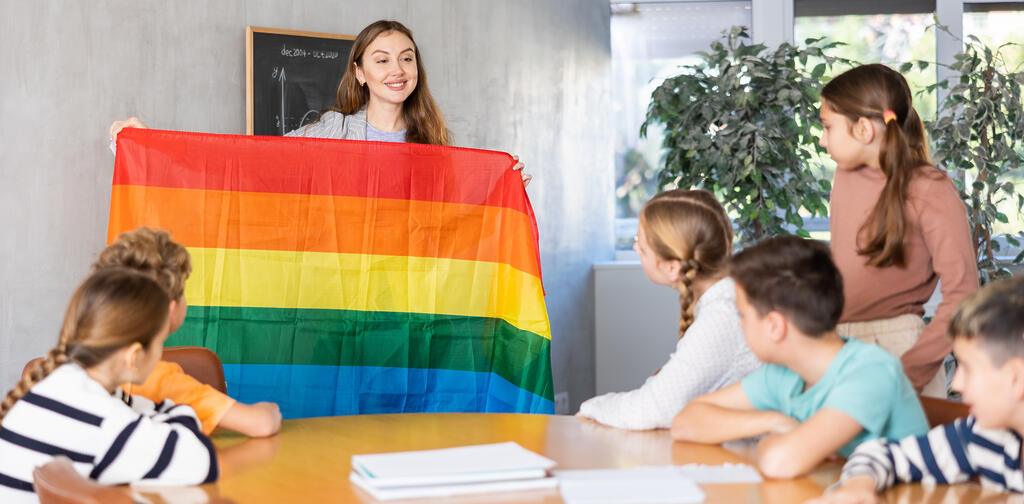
(249, 65)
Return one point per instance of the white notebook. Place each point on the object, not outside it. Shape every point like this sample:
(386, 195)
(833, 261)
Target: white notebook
(412, 492)
(465, 464)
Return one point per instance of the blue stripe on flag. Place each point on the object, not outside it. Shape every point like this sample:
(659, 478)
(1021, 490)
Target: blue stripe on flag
(312, 391)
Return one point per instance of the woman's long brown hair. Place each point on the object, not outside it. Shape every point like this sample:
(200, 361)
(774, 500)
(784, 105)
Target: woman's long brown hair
(868, 91)
(423, 120)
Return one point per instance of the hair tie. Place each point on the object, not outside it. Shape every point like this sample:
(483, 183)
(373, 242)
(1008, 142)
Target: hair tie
(888, 115)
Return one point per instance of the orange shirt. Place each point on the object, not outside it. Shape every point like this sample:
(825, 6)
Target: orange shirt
(169, 381)
(938, 246)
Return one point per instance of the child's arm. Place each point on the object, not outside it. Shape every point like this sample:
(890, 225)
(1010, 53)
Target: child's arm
(724, 415)
(856, 490)
(256, 420)
(792, 453)
(943, 221)
(214, 409)
(164, 447)
(940, 456)
(701, 359)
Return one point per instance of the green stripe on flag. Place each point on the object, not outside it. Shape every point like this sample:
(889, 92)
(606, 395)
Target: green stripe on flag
(242, 335)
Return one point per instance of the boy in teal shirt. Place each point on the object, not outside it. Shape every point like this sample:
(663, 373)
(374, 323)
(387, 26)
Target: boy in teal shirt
(818, 394)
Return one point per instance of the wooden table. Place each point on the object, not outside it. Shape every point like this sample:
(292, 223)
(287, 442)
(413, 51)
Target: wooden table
(309, 461)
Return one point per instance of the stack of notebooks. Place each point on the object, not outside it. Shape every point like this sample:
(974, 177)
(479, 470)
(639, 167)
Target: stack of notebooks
(488, 468)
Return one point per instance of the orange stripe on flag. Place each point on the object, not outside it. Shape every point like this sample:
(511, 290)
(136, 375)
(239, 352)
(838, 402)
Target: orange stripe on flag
(337, 224)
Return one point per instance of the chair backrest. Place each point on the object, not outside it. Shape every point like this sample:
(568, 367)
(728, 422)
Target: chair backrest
(199, 363)
(57, 482)
(943, 411)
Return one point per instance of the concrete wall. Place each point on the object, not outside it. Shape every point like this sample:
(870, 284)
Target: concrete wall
(527, 77)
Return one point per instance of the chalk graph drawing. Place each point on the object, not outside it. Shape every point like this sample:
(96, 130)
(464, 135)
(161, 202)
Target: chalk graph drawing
(291, 77)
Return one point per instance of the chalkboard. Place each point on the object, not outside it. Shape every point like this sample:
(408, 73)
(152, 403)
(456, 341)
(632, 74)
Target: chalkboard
(291, 76)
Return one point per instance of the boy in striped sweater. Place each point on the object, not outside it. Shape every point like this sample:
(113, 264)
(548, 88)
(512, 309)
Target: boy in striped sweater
(988, 340)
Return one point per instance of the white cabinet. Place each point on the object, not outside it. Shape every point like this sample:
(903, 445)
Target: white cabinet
(636, 325)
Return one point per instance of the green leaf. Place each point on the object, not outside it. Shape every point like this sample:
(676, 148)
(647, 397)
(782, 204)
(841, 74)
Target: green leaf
(818, 71)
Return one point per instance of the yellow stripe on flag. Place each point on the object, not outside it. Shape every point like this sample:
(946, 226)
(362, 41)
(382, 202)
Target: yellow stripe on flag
(364, 282)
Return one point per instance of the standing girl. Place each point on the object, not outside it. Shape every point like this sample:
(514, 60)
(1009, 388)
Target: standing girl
(684, 241)
(898, 224)
(70, 404)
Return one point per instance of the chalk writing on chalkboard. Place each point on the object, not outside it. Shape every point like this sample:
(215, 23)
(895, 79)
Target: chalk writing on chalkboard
(291, 77)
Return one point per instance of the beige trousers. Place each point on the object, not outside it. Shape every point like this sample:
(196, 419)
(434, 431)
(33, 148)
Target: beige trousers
(896, 335)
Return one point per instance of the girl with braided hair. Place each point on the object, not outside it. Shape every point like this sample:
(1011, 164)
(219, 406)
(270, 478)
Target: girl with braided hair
(684, 241)
(71, 404)
(898, 224)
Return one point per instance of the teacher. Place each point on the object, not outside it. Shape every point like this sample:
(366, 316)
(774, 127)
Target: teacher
(383, 95)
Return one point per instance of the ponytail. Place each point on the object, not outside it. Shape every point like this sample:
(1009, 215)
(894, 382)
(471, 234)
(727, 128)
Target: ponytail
(54, 358)
(878, 92)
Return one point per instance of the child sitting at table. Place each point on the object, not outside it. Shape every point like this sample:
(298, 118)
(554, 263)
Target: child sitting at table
(153, 253)
(988, 341)
(684, 240)
(113, 333)
(818, 393)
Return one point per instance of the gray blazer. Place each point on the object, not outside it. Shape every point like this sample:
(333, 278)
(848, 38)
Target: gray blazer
(335, 125)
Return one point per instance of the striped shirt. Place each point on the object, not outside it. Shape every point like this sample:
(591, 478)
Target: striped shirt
(68, 413)
(950, 453)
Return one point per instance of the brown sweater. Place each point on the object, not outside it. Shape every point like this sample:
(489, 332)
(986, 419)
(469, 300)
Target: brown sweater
(938, 246)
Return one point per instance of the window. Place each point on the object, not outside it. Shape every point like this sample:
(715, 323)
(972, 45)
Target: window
(650, 41)
(995, 28)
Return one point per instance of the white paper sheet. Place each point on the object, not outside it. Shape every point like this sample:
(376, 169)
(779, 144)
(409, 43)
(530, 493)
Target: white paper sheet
(725, 473)
(698, 473)
(661, 485)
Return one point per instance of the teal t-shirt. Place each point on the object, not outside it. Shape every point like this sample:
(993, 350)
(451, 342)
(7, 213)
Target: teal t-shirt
(863, 381)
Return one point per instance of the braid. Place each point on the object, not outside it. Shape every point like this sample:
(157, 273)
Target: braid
(685, 287)
(57, 356)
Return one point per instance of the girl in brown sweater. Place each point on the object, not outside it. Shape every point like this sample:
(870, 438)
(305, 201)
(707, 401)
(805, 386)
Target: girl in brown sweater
(898, 223)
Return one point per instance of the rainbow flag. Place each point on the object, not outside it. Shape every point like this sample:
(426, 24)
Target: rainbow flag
(339, 277)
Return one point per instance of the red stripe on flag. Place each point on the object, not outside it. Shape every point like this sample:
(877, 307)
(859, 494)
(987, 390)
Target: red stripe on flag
(317, 166)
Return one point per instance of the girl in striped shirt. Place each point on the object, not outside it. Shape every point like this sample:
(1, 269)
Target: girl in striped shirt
(988, 340)
(70, 405)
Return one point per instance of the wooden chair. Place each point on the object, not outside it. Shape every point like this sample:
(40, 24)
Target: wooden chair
(57, 482)
(198, 362)
(943, 411)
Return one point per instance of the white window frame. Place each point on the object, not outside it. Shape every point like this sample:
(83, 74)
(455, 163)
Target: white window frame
(772, 24)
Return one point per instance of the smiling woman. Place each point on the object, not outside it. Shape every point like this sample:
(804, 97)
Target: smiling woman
(384, 94)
